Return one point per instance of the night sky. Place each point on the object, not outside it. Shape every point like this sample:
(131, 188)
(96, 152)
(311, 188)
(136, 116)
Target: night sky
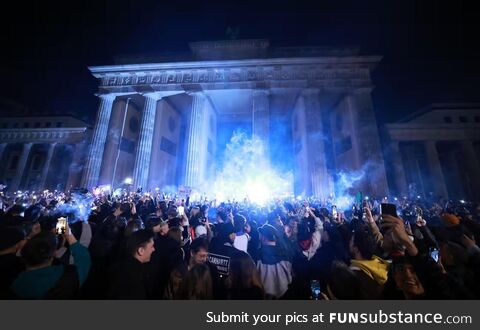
(430, 48)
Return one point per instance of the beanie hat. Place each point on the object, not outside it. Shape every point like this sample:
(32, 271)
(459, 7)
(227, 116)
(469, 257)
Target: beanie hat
(450, 219)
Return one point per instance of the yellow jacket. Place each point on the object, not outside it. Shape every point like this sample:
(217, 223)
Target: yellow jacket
(376, 268)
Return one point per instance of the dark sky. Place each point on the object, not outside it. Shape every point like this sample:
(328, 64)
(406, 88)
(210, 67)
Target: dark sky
(430, 48)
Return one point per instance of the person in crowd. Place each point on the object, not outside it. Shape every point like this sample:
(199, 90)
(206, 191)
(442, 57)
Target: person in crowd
(370, 269)
(222, 216)
(129, 278)
(313, 238)
(198, 255)
(133, 226)
(106, 242)
(244, 280)
(106, 248)
(416, 275)
(344, 284)
(241, 238)
(12, 239)
(251, 228)
(274, 266)
(197, 284)
(43, 280)
(431, 252)
(167, 256)
(223, 242)
(159, 226)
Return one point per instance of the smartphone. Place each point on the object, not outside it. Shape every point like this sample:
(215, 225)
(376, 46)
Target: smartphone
(359, 198)
(61, 225)
(334, 211)
(434, 254)
(389, 209)
(315, 289)
(181, 210)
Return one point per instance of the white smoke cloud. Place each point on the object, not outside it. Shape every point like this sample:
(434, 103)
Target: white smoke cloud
(247, 173)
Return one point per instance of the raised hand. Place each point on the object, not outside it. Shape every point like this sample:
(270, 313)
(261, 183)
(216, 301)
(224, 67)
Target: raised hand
(397, 227)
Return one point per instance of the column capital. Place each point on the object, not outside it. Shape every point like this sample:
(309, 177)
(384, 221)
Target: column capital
(261, 92)
(109, 97)
(362, 90)
(155, 96)
(310, 91)
(199, 93)
(112, 96)
(430, 143)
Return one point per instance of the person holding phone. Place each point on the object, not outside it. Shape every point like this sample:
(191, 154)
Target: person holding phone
(417, 275)
(369, 269)
(373, 227)
(44, 280)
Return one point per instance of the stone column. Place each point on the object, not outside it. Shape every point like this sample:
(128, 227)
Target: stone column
(366, 143)
(3, 146)
(144, 146)
(261, 118)
(76, 166)
(399, 171)
(194, 160)
(473, 167)
(436, 173)
(95, 155)
(22, 162)
(46, 166)
(317, 167)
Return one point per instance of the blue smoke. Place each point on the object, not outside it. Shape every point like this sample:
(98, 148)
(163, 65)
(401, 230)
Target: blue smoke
(247, 173)
(78, 208)
(345, 184)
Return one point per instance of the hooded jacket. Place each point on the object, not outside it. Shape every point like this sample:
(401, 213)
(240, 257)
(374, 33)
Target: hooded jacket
(375, 268)
(275, 271)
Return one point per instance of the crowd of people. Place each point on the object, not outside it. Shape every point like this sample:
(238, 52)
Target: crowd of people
(93, 245)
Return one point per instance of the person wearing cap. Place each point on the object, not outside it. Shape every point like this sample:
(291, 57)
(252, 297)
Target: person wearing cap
(241, 238)
(222, 244)
(201, 231)
(274, 266)
(12, 240)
